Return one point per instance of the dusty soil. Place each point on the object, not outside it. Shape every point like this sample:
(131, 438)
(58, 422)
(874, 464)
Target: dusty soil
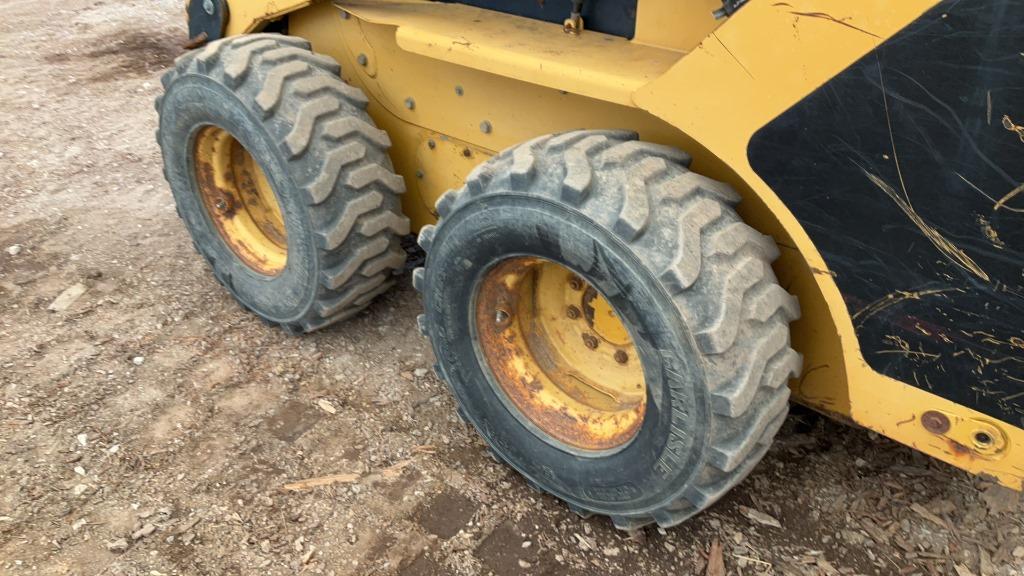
(150, 427)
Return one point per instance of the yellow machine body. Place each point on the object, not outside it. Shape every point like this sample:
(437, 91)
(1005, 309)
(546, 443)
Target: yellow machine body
(453, 85)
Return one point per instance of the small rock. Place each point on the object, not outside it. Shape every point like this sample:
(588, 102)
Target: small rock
(420, 372)
(79, 470)
(524, 563)
(83, 439)
(118, 546)
(611, 551)
(14, 250)
(146, 530)
(1018, 552)
(759, 517)
(66, 298)
(138, 360)
(77, 525)
(79, 489)
(406, 375)
(527, 544)
(113, 449)
(326, 406)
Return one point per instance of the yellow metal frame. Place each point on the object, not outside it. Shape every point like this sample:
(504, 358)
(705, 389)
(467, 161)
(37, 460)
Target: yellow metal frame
(453, 84)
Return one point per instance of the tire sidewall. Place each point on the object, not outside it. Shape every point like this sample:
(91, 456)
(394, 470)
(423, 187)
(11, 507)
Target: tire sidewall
(658, 462)
(191, 103)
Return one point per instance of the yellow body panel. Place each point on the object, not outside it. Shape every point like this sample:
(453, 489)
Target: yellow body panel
(452, 85)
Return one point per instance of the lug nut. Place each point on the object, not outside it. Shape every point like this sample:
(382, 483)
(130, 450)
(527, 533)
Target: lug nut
(572, 312)
(362, 60)
(501, 316)
(590, 341)
(621, 357)
(575, 283)
(221, 205)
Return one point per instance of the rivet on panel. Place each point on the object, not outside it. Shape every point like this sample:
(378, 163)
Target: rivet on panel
(458, 91)
(410, 103)
(485, 127)
(935, 422)
(362, 60)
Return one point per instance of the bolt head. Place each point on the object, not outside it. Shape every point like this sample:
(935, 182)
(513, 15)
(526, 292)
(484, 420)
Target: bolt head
(500, 316)
(362, 60)
(485, 127)
(572, 312)
(459, 91)
(575, 283)
(621, 357)
(410, 103)
(221, 205)
(590, 341)
(935, 422)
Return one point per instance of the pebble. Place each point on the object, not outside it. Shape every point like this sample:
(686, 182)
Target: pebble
(66, 298)
(118, 546)
(79, 489)
(420, 372)
(138, 360)
(524, 564)
(146, 530)
(611, 551)
(1018, 552)
(79, 470)
(83, 439)
(326, 406)
(14, 250)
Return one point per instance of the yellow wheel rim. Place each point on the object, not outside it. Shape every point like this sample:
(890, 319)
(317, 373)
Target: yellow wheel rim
(560, 354)
(240, 201)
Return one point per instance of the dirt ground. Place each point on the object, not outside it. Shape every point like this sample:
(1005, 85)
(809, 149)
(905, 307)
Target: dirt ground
(150, 426)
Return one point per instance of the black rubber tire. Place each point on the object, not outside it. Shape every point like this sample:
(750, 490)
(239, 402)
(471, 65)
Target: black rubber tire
(691, 280)
(325, 160)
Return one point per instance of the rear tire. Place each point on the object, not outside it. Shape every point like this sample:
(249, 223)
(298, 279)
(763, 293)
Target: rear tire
(321, 154)
(689, 279)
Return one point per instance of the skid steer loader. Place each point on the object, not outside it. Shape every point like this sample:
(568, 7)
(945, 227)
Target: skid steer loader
(648, 223)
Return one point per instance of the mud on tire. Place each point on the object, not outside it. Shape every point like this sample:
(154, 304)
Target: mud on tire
(321, 153)
(691, 280)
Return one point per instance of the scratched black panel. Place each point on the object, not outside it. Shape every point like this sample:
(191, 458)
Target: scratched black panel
(906, 170)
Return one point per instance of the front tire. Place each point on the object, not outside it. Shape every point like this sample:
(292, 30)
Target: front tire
(281, 178)
(689, 280)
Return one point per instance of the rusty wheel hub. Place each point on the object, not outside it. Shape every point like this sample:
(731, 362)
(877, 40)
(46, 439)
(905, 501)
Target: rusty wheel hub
(240, 201)
(560, 354)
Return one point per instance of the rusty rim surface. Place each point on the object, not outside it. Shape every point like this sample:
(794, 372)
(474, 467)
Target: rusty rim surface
(559, 353)
(240, 201)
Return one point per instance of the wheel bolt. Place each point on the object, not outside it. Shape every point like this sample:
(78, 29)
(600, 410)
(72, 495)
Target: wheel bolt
(590, 341)
(572, 312)
(621, 357)
(575, 283)
(501, 316)
(221, 205)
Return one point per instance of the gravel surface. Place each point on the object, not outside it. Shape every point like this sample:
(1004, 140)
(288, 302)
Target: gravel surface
(149, 426)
